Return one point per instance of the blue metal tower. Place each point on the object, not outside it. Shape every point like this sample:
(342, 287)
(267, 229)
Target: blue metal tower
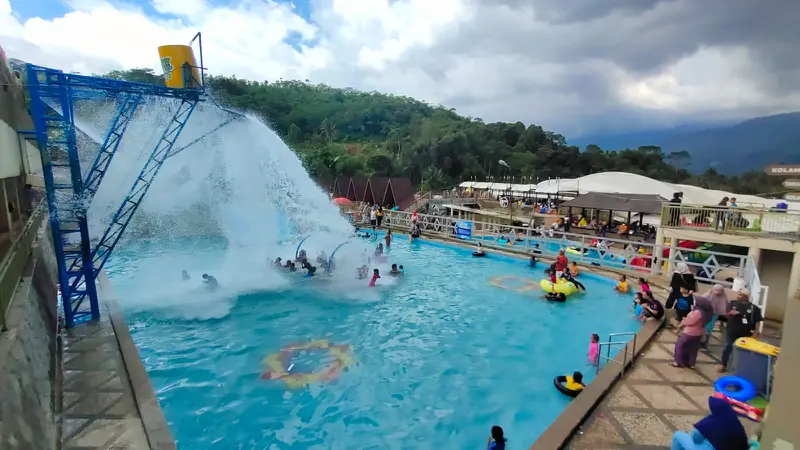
(69, 193)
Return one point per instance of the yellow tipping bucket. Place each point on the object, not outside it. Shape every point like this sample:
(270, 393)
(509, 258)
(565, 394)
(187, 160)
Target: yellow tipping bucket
(179, 66)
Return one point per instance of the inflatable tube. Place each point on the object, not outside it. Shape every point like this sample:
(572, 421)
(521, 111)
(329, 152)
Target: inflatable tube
(736, 388)
(560, 383)
(277, 364)
(561, 287)
(478, 255)
(573, 251)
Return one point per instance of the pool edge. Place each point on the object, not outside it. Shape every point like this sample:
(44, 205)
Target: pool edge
(561, 431)
(154, 423)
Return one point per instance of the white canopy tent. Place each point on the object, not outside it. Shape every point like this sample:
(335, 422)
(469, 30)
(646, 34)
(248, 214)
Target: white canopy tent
(628, 183)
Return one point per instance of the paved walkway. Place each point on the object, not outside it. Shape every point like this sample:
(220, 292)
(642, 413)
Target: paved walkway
(99, 411)
(654, 400)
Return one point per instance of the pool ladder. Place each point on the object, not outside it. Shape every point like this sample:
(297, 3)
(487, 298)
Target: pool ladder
(618, 346)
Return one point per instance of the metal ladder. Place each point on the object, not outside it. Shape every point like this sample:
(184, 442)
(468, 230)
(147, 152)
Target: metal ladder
(619, 346)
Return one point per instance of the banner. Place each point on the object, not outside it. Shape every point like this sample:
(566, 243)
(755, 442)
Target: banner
(464, 229)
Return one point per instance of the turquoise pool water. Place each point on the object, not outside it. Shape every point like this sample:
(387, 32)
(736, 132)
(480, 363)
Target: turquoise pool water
(440, 355)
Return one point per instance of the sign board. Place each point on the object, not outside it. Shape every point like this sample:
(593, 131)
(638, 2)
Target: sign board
(791, 184)
(464, 229)
(783, 170)
(792, 196)
(504, 202)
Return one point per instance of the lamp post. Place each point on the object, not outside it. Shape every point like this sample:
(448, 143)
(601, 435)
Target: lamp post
(506, 167)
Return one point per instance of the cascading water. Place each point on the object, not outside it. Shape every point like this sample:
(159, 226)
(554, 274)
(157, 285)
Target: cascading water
(242, 184)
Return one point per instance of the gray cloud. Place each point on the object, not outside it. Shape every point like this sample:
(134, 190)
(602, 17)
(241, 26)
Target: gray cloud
(559, 61)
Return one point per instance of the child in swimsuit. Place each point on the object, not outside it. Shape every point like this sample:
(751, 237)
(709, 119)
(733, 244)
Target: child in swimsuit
(594, 350)
(375, 275)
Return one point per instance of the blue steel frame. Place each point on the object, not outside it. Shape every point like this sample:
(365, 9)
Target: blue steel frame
(68, 200)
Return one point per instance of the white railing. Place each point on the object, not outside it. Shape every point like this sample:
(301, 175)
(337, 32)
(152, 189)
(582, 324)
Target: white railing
(740, 220)
(641, 257)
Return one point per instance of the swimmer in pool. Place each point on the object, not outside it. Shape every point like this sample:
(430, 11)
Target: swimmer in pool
(532, 261)
(278, 262)
(290, 265)
(362, 272)
(185, 275)
(310, 270)
(556, 296)
(402, 270)
(302, 257)
(375, 275)
(388, 238)
(480, 251)
(210, 281)
(395, 270)
(379, 250)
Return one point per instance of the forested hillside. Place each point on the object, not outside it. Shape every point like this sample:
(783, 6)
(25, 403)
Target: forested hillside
(345, 132)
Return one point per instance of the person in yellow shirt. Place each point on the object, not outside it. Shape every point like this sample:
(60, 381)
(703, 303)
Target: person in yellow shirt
(622, 286)
(575, 382)
(574, 269)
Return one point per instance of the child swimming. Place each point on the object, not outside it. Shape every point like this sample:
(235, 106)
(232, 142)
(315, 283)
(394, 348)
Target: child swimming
(622, 286)
(644, 285)
(402, 270)
(395, 270)
(594, 350)
(388, 238)
(375, 275)
(185, 275)
(497, 440)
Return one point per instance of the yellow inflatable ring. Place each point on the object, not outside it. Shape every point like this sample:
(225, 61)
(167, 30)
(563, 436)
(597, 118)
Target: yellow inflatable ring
(573, 251)
(277, 364)
(502, 282)
(561, 287)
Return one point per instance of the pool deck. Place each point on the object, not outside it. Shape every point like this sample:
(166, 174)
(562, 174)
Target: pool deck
(653, 399)
(108, 402)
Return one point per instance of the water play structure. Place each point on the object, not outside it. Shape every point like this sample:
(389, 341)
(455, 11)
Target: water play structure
(71, 188)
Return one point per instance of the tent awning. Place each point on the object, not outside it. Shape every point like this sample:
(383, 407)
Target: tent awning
(637, 203)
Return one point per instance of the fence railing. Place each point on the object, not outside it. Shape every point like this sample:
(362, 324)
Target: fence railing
(778, 223)
(646, 258)
(13, 264)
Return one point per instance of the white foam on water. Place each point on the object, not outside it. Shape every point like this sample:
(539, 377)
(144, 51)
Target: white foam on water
(248, 187)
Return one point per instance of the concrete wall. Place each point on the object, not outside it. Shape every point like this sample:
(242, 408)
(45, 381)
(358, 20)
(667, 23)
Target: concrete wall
(17, 156)
(774, 270)
(29, 371)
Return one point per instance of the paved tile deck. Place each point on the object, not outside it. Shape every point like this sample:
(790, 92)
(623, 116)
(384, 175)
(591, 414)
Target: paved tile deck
(654, 400)
(99, 411)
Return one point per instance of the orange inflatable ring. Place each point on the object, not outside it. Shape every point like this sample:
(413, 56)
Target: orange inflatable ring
(277, 364)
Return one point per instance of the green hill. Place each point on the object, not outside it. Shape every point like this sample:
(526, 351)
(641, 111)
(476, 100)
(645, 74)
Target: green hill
(346, 132)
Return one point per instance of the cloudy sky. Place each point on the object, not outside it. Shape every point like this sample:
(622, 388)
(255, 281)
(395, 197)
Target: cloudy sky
(575, 66)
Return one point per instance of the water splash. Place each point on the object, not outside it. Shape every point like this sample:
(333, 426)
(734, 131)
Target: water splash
(242, 185)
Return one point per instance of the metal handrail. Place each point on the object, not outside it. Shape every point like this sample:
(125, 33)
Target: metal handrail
(626, 333)
(608, 346)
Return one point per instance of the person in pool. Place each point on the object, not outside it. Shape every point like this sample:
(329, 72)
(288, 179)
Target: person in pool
(395, 271)
(185, 275)
(302, 256)
(388, 238)
(532, 261)
(379, 250)
(480, 251)
(290, 265)
(310, 270)
(497, 441)
(375, 275)
(362, 272)
(278, 262)
(210, 281)
(556, 296)
(402, 270)
(622, 286)
(567, 275)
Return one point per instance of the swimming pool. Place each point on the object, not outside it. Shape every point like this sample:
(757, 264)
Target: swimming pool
(440, 355)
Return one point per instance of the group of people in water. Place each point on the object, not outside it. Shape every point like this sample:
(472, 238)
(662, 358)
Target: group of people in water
(362, 272)
(209, 281)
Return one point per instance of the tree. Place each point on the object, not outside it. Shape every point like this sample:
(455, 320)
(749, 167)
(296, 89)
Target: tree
(346, 132)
